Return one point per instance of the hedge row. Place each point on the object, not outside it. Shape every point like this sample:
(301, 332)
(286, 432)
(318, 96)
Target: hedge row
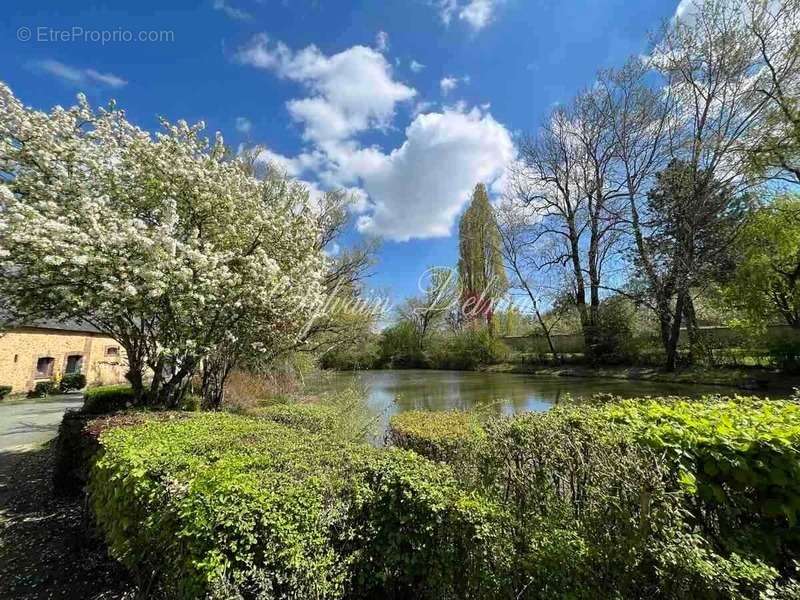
(447, 436)
(720, 479)
(236, 506)
(107, 399)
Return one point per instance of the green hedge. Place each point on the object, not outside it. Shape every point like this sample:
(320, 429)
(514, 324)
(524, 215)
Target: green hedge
(738, 459)
(108, 398)
(443, 436)
(314, 418)
(224, 505)
(639, 498)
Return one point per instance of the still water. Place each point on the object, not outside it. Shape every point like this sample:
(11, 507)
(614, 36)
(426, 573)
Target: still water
(390, 392)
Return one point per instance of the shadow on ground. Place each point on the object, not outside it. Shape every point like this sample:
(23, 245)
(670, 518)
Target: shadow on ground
(44, 550)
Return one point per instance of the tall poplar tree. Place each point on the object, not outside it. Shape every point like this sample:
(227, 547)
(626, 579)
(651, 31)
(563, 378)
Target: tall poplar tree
(480, 264)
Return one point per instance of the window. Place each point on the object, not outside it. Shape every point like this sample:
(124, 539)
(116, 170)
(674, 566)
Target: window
(112, 351)
(74, 364)
(44, 367)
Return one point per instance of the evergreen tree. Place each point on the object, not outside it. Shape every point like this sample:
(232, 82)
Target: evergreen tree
(480, 264)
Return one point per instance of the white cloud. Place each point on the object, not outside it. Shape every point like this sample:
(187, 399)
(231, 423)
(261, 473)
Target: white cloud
(243, 125)
(416, 66)
(352, 91)
(382, 41)
(418, 190)
(685, 7)
(231, 11)
(476, 13)
(449, 83)
(414, 191)
(80, 77)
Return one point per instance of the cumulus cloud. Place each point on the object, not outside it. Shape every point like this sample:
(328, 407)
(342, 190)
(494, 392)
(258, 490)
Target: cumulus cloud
(351, 91)
(416, 66)
(79, 77)
(382, 41)
(243, 125)
(418, 190)
(415, 190)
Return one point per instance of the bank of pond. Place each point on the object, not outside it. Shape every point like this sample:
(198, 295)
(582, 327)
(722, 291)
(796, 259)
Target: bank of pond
(649, 497)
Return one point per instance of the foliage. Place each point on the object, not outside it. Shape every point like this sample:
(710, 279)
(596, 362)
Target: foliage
(107, 399)
(343, 414)
(614, 337)
(42, 389)
(468, 349)
(5, 390)
(480, 265)
(766, 281)
(72, 381)
(235, 506)
(164, 242)
(400, 347)
(637, 498)
(449, 436)
(739, 458)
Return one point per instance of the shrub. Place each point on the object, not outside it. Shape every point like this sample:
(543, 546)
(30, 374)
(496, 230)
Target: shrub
(72, 381)
(5, 390)
(106, 399)
(42, 389)
(313, 418)
(447, 436)
(738, 459)
(78, 442)
(191, 402)
(235, 506)
(469, 349)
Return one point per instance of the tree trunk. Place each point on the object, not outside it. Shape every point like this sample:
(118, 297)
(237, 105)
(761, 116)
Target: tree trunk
(675, 333)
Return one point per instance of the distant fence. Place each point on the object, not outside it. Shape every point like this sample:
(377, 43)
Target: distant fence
(713, 337)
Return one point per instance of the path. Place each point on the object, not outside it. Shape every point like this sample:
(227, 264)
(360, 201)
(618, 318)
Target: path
(27, 423)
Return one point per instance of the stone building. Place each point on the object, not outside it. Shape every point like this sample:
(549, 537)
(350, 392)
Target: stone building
(48, 350)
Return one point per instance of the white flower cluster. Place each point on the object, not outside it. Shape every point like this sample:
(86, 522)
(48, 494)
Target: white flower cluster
(165, 234)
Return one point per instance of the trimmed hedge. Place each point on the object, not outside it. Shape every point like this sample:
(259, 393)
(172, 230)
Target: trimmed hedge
(234, 506)
(314, 418)
(107, 399)
(738, 459)
(443, 435)
(640, 498)
(78, 441)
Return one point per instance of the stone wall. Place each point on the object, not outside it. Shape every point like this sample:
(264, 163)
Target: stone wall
(21, 349)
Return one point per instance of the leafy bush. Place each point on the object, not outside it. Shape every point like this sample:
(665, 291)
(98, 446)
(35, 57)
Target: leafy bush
(72, 381)
(448, 436)
(234, 506)
(401, 348)
(469, 349)
(738, 459)
(106, 399)
(313, 418)
(618, 500)
(42, 389)
(5, 390)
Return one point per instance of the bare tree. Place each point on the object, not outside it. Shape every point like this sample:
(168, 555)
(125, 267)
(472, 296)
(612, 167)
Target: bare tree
(521, 252)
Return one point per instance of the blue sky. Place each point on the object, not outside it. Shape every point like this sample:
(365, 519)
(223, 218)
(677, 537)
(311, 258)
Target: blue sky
(406, 103)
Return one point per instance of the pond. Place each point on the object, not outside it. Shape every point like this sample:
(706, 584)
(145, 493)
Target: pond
(389, 392)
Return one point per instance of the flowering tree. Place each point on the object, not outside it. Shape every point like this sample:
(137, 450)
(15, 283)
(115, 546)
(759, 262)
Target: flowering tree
(163, 242)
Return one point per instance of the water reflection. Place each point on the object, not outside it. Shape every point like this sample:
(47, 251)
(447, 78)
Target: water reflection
(493, 394)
